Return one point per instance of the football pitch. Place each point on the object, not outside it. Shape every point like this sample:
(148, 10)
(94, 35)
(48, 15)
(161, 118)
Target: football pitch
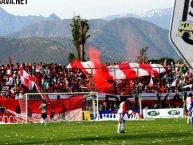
(148, 132)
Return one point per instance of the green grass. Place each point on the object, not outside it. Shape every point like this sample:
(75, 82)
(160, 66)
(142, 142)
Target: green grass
(158, 132)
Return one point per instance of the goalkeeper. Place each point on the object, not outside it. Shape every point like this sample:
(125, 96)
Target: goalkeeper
(43, 107)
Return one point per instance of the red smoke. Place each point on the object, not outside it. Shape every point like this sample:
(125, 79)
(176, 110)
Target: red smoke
(101, 76)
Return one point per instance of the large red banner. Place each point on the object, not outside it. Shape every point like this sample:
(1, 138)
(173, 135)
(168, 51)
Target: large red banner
(70, 107)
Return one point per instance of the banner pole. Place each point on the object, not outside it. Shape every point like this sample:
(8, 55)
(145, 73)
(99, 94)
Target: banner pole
(26, 107)
(97, 95)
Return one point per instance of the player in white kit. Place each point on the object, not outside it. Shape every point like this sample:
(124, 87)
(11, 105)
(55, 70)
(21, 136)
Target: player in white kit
(123, 109)
(190, 112)
(189, 99)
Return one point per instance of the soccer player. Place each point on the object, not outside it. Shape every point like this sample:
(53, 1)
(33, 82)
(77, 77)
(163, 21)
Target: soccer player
(43, 107)
(123, 109)
(190, 112)
(188, 105)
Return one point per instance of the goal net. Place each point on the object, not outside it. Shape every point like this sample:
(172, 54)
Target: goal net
(60, 106)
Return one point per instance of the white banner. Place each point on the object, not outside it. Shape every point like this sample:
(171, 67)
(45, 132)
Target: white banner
(163, 113)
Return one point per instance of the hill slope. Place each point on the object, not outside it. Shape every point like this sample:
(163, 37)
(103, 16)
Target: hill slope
(34, 50)
(48, 50)
(125, 36)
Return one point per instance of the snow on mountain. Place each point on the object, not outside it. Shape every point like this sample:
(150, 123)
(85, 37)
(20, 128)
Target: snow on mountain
(154, 13)
(159, 17)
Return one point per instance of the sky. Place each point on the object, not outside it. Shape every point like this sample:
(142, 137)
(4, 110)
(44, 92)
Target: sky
(86, 8)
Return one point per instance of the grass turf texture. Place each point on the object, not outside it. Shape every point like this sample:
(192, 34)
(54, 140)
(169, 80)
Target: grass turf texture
(159, 131)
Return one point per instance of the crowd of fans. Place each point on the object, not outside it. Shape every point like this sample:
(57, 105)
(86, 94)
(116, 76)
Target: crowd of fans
(49, 77)
(57, 78)
(178, 77)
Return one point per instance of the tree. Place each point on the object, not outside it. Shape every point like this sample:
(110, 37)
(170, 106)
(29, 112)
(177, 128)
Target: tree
(76, 33)
(142, 57)
(71, 57)
(80, 29)
(84, 27)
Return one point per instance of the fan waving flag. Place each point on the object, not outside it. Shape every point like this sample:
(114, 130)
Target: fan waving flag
(26, 79)
(123, 70)
(30, 82)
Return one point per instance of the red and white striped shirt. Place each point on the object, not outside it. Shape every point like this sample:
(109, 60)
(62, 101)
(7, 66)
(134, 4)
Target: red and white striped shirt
(123, 108)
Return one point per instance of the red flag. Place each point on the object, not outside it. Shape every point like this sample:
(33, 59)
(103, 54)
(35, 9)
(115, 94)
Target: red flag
(26, 79)
(29, 82)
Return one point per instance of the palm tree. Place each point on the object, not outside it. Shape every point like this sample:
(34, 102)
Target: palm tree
(84, 27)
(76, 33)
(79, 34)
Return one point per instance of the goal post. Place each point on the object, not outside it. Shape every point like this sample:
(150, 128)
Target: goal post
(68, 106)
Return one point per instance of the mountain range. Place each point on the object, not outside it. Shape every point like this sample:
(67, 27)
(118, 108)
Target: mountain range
(11, 23)
(159, 17)
(48, 39)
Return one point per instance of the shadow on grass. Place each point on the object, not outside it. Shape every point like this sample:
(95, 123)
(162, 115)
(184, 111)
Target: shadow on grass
(115, 137)
(134, 136)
